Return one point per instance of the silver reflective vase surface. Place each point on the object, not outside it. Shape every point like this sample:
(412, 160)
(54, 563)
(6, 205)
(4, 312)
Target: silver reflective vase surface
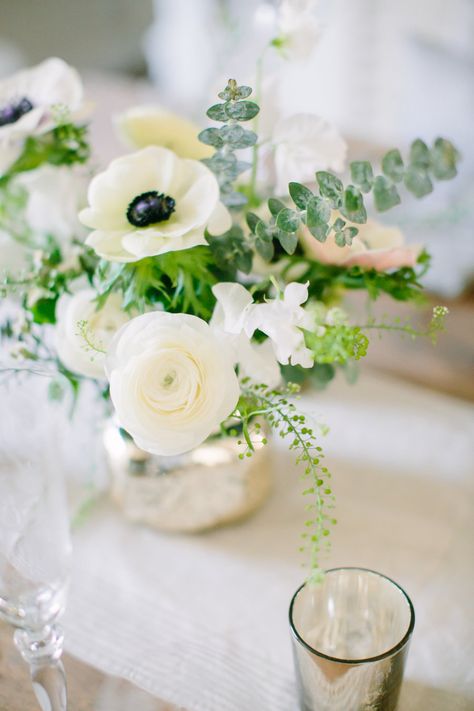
(350, 634)
(201, 489)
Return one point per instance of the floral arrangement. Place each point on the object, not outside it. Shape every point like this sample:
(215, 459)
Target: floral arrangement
(200, 277)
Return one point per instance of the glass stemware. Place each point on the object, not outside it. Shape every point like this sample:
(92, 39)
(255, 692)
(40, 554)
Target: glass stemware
(34, 534)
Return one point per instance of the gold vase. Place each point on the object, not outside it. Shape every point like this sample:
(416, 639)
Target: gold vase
(201, 489)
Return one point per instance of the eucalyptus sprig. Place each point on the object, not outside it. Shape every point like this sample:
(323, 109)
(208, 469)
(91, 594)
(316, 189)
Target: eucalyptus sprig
(315, 210)
(234, 109)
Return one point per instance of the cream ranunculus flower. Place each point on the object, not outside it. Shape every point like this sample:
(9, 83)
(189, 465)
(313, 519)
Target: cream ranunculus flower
(27, 101)
(305, 143)
(172, 381)
(376, 246)
(100, 325)
(143, 126)
(152, 202)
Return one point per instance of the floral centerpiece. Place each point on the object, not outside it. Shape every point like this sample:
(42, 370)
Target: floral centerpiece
(194, 288)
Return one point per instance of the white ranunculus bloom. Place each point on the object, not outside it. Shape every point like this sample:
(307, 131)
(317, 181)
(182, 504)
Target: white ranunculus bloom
(101, 325)
(28, 100)
(143, 126)
(305, 143)
(55, 195)
(152, 202)
(172, 381)
(298, 27)
(281, 319)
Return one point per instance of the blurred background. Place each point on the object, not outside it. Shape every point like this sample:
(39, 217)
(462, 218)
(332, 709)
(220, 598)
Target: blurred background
(383, 72)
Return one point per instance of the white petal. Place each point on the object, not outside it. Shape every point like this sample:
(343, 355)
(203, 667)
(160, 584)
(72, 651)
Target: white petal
(220, 220)
(234, 300)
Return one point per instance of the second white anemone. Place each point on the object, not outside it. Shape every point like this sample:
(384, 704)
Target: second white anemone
(152, 202)
(172, 381)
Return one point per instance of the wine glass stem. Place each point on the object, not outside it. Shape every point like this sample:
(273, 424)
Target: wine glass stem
(42, 650)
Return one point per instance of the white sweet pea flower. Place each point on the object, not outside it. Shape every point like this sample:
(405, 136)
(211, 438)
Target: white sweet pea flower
(143, 126)
(79, 321)
(55, 194)
(172, 381)
(298, 27)
(13, 255)
(376, 246)
(280, 319)
(152, 202)
(28, 101)
(255, 360)
(305, 143)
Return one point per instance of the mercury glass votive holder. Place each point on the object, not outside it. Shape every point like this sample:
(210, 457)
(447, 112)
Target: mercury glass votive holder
(350, 634)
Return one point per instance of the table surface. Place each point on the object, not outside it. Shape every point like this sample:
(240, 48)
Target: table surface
(446, 368)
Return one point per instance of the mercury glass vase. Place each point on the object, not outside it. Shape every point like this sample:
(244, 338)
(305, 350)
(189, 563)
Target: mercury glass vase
(192, 492)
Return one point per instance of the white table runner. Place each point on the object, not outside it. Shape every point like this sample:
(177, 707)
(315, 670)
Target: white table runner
(201, 621)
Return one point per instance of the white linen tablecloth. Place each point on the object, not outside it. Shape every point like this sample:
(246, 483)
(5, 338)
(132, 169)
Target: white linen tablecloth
(201, 621)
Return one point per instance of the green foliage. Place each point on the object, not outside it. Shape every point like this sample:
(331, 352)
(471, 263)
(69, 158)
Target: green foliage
(229, 138)
(337, 344)
(315, 210)
(327, 280)
(432, 331)
(179, 281)
(231, 251)
(258, 400)
(66, 144)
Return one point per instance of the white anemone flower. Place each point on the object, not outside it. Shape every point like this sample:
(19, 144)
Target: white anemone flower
(29, 101)
(281, 319)
(143, 126)
(152, 202)
(305, 143)
(172, 381)
(83, 331)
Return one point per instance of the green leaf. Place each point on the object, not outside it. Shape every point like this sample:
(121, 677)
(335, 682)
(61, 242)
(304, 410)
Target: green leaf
(353, 206)
(443, 159)
(418, 181)
(318, 211)
(362, 174)
(340, 239)
(288, 220)
(385, 194)
(320, 231)
(55, 391)
(349, 234)
(338, 224)
(330, 187)
(288, 241)
(211, 137)
(419, 153)
(218, 113)
(243, 92)
(392, 165)
(236, 136)
(265, 249)
(252, 221)
(264, 232)
(300, 194)
(275, 206)
(44, 311)
(233, 198)
(242, 110)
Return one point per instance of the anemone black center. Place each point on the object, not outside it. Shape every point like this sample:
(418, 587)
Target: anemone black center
(150, 208)
(14, 111)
